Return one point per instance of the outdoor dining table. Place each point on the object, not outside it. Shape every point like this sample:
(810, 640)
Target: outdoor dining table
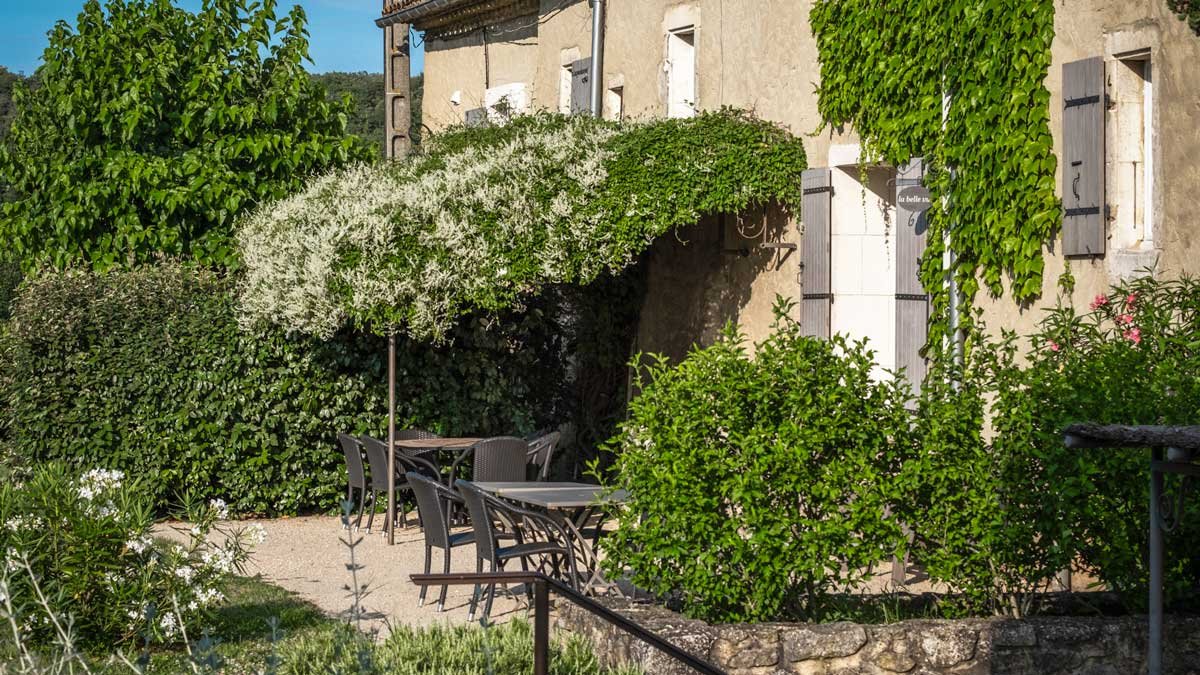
(573, 504)
(425, 445)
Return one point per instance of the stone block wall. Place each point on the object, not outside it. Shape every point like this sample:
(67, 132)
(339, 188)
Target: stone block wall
(1043, 645)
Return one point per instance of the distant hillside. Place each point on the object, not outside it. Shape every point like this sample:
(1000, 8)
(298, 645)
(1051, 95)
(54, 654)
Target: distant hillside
(8, 111)
(367, 91)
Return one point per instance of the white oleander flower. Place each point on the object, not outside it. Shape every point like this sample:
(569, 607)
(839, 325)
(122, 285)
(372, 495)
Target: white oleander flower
(220, 507)
(168, 624)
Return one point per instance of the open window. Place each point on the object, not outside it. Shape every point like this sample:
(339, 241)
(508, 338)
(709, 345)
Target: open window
(681, 72)
(1130, 125)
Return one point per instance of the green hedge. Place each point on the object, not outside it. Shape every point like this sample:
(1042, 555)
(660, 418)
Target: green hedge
(147, 371)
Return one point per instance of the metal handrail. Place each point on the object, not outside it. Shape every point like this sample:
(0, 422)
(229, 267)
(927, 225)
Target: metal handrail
(541, 614)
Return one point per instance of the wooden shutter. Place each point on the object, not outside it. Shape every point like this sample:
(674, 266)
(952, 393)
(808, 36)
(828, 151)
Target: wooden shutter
(1084, 103)
(816, 291)
(912, 302)
(581, 88)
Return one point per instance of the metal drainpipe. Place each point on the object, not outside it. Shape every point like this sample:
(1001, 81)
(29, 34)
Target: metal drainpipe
(597, 70)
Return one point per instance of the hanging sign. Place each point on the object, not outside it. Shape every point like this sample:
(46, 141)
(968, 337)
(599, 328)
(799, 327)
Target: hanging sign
(914, 198)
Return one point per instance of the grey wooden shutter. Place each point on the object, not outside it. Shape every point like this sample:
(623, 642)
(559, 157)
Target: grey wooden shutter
(912, 302)
(816, 290)
(1084, 104)
(581, 89)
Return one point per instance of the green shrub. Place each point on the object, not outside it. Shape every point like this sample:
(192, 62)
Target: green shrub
(999, 504)
(758, 483)
(1132, 359)
(147, 371)
(984, 520)
(81, 549)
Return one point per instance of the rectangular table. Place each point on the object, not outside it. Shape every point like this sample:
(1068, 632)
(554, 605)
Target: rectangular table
(574, 505)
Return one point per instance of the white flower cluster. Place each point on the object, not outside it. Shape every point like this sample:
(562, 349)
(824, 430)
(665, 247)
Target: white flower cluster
(24, 522)
(223, 560)
(97, 482)
(220, 508)
(140, 544)
(432, 240)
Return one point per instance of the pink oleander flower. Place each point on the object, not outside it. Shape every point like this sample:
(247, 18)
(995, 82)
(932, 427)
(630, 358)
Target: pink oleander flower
(1100, 301)
(1131, 301)
(1125, 319)
(1134, 335)
(1054, 346)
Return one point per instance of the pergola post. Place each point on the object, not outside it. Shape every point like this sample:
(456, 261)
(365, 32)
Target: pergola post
(397, 91)
(391, 458)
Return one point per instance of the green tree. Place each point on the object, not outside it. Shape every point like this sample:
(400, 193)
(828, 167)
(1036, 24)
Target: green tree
(152, 127)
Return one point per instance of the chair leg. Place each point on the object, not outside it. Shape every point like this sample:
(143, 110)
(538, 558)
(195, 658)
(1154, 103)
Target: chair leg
(445, 570)
(371, 518)
(475, 593)
(428, 560)
(362, 504)
(487, 608)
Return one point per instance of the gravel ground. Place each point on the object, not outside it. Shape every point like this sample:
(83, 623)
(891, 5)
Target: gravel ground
(306, 555)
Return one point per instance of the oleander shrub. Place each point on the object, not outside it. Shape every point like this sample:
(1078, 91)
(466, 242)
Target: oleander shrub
(999, 505)
(79, 556)
(147, 371)
(759, 482)
(1132, 358)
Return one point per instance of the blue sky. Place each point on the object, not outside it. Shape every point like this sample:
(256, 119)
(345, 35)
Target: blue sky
(343, 32)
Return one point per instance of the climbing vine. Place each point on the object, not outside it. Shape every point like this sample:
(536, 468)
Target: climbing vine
(961, 84)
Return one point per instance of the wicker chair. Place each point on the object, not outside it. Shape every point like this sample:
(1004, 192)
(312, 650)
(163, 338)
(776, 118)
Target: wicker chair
(539, 540)
(541, 454)
(434, 502)
(502, 458)
(377, 462)
(356, 477)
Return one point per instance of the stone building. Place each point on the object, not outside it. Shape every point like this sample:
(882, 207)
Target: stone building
(1139, 155)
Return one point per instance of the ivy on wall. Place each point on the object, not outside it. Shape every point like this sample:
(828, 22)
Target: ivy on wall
(1188, 10)
(888, 68)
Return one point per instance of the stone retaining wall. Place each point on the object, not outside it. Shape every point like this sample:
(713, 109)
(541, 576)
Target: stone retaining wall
(1044, 645)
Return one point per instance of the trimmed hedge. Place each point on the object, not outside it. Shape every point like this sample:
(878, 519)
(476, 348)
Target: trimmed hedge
(147, 371)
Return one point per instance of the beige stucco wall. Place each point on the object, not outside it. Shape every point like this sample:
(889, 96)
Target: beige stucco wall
(1086, 28)
(470, 64)
(760, 55)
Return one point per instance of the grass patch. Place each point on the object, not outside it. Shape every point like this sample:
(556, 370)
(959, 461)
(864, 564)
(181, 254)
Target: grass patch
(306, 641)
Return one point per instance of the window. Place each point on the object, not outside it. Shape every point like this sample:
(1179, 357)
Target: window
(504, 101)
(565, 76)
(1130, 150)
(681, 73)
(614, 103)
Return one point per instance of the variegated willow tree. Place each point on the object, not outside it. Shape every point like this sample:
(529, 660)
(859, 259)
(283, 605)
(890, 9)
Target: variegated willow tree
(483, 218)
